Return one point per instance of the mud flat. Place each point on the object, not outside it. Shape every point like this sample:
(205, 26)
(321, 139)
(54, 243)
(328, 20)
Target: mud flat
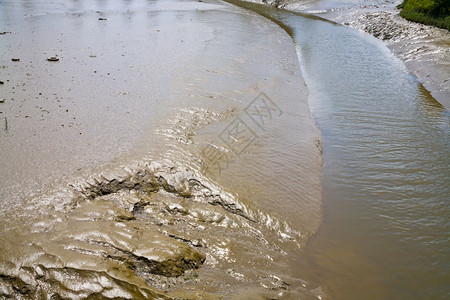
(153, 151)
(424, 49)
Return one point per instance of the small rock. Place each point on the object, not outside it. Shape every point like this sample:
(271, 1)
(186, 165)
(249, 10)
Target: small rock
(39, 272)
(1, 82)
(15, 59)
(2, 100)
(53, 58)
(102, 19)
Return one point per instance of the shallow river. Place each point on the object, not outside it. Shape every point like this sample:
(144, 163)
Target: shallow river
(386, 167)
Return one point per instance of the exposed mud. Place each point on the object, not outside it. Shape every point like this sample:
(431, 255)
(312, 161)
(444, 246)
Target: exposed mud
(117, 234)
(106, 188)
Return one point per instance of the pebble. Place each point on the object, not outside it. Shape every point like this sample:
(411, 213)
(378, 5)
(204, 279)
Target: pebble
(15, 59)
(53, 58)
(2, 100)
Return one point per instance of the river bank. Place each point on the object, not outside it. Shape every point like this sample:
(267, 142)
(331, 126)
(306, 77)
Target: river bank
(425, 50)
(155, 156)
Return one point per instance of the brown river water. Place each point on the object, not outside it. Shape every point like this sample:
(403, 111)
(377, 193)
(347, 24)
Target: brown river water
(386, 147)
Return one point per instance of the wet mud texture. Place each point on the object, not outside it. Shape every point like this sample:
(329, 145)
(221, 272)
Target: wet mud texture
(106, 191)
(151, 227)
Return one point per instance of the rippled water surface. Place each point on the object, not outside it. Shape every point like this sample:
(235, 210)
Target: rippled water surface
(386, 174)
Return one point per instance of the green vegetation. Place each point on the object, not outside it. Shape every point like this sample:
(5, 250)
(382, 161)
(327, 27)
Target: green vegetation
(430, 12)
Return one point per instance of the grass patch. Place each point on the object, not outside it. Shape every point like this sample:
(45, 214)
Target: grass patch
(429, 12)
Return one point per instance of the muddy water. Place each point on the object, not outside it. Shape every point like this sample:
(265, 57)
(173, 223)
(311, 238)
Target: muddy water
(424, 49)
(158, 158)
(386, 172)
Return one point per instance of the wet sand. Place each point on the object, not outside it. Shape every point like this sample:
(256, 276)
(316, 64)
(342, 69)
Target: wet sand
(158, 158)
